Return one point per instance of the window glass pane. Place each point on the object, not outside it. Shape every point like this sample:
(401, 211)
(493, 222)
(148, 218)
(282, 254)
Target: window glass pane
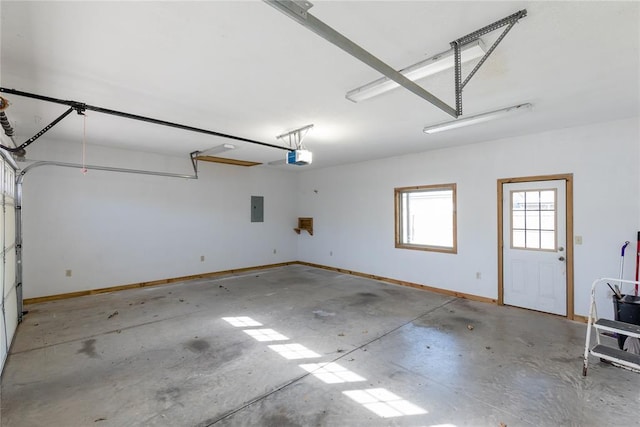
(548, 220)
(517, 239)
(405, 217)
(547, 240)
(533, 220)
(517, 200)
(431, 218)
(548, 199)
(518, 219)
(533, 199)
(533, 239)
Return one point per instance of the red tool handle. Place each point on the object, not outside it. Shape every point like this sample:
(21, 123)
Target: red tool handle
(637, 261)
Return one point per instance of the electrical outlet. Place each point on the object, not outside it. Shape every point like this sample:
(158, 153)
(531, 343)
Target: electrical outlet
(201, 258)
(578, 240)
(67, 273)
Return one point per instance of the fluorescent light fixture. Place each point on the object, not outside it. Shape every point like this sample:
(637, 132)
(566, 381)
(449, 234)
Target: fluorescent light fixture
(428, 67)
(480, 118)
(218, 149)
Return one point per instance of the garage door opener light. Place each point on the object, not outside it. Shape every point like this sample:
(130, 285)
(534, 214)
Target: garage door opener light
(298, 155)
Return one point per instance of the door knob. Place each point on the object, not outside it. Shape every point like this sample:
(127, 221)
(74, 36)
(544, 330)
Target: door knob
(561, 258)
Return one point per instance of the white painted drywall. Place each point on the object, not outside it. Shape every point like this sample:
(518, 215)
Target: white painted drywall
(114, 229)
(353, 207)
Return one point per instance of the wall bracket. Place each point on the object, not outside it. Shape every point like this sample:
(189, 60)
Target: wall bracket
(304, 224)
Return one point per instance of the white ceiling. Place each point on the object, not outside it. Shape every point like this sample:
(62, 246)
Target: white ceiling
(244, 68)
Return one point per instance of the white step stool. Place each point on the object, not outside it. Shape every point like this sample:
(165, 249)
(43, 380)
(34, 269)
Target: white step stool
(616, 356)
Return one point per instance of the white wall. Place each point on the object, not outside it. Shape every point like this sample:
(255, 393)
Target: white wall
(115, 229)
(353, 208)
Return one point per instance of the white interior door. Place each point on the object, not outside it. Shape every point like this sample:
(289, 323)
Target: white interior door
(535, 241)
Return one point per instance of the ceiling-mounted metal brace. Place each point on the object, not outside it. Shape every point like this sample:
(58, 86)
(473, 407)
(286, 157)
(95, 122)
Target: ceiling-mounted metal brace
(20, 148)
(194, 161)
(509, 21)
(295, 137)
(4, 120)
(297, 10)
(81, 107)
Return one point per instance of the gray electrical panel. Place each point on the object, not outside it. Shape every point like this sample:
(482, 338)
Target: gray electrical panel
(257, 209)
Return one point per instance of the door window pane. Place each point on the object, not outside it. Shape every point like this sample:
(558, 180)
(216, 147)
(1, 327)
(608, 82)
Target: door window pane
(548, 199)
(547, 240)
(548, 220)
(517, 198)
(518, 219)
(533, 219)
(532, 199)
(517, 239)
(533, 239)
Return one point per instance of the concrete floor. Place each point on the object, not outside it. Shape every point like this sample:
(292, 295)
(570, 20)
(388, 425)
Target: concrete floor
(165, 356)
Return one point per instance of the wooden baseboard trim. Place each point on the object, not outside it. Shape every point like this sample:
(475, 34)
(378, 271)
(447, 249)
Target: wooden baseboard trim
(55, 297)
(403, 283)
(160, 282)
(579, 318)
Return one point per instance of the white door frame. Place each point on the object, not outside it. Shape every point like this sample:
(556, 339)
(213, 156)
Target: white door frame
(568, 178)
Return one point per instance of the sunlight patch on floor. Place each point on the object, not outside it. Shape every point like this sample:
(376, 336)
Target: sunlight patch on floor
(265, 335)
(241, 322)
(332, 373)
(384, 403)
(293, 351)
